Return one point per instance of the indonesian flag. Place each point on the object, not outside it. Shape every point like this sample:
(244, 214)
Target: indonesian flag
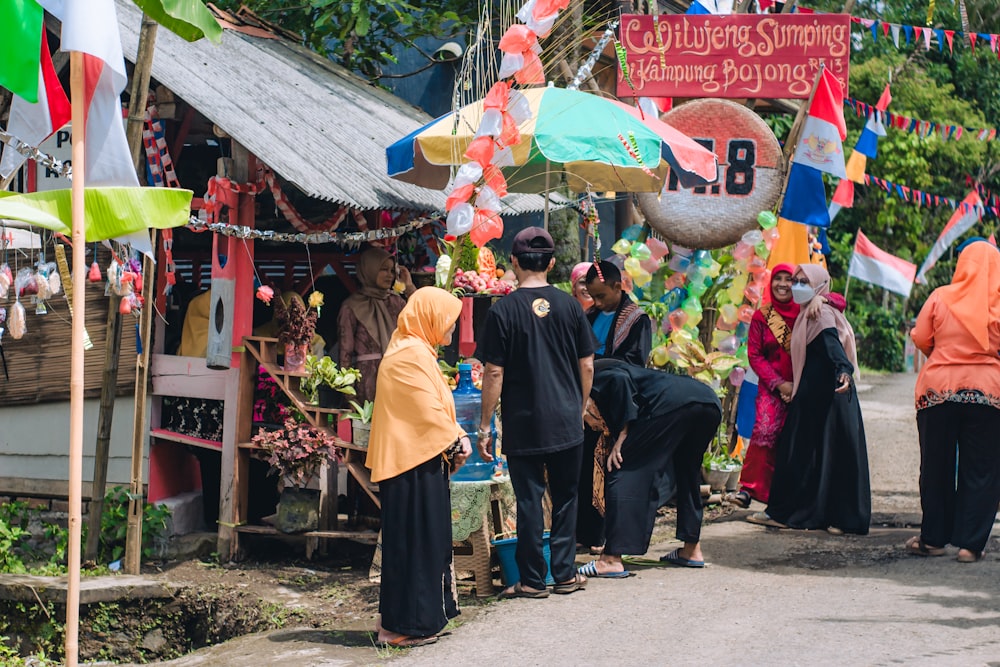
(34, 123)
(92, 28)
(968, 213)
(820, 150)
(874, 265)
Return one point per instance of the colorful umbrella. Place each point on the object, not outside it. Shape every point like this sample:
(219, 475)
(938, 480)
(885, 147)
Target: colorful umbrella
(599, 144)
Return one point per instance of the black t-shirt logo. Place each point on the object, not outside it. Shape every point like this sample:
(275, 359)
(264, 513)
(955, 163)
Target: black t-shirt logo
(540, 307)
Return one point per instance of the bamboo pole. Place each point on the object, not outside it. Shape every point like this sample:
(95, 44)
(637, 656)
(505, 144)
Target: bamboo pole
(136, 119)
(136, 501)
(78, 108)
(113, 337)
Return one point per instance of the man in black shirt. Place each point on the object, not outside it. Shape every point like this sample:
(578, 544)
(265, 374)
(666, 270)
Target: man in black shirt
(538, 352)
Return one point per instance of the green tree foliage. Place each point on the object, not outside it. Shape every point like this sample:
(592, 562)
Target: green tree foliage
(361, 34)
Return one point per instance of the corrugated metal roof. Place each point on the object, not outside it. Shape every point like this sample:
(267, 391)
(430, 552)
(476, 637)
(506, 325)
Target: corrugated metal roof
(311, 121)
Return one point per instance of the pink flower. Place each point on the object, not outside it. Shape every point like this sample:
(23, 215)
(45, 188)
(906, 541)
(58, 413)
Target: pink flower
(265, 294)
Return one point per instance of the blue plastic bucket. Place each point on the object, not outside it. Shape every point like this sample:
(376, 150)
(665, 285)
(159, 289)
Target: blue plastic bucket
(509, 573)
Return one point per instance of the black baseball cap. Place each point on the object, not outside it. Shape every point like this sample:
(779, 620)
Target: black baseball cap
(531, 240)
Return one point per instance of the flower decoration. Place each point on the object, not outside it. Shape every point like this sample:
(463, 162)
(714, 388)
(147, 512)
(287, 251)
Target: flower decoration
(315, 300)
(297, 451)
(265, 294)
(296, 322)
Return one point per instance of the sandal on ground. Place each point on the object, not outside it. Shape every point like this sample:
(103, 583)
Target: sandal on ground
(578, 584)
(590, 570)
(762, 519)
(970, 556)
(517, 591)
(675, 558)
(916, 546)
(406, 641)
(740, 499)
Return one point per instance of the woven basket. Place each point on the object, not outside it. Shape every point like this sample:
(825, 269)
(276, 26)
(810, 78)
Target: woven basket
(721, 213)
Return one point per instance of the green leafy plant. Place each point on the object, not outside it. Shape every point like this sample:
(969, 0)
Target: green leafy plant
(11, 538)
(324, 372)
(361, 413)
(296, 451)
(114, 526)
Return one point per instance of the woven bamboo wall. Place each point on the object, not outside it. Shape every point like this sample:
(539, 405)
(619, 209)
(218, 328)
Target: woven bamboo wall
(39, 362)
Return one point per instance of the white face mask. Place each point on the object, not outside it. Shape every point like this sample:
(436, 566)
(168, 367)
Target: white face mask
(802, 294)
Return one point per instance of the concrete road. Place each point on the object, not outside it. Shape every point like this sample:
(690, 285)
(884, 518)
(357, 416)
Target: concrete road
(769, 597)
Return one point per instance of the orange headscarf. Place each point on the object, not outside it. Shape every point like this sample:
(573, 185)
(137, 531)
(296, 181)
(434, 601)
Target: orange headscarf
(414, 417)
(973, 296)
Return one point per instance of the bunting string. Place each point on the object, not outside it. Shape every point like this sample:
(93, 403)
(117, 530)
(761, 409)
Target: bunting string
(922, 128)
(926, 199)
(32, 153)
(341, 238)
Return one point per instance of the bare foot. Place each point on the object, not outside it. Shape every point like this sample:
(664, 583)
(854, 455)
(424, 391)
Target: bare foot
(609, 563)
(968, 556)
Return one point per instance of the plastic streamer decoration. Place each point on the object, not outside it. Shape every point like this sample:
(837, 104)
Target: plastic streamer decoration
(474, 200)
(678, 286)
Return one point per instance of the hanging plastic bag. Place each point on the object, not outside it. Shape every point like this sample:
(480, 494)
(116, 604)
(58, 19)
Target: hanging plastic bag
(6, 280)
(55, 282)
(24, 283)
(18, 321)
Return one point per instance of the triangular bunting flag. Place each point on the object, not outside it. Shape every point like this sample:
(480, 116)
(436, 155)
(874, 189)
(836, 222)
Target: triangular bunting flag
(894, 28)
(939, 33)
(972, 41)
(885, 29)
(874, 28)
(908, 33)
(950, 36)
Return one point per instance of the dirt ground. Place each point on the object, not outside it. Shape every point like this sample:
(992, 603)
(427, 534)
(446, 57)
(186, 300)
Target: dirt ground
(768, 597)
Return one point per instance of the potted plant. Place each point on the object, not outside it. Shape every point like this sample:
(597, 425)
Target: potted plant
(327, 383)
(296, 328)
(296, 452)
(361, 422)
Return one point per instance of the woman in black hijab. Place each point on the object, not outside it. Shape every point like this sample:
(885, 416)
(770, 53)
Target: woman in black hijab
(650, 420)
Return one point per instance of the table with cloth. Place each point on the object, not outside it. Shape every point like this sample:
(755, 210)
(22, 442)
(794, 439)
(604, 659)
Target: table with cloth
(479, 511)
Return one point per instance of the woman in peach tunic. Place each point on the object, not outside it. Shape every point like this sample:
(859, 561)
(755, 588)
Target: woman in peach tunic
(958, 407)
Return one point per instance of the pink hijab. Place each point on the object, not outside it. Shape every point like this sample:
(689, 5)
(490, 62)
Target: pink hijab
(806, 330)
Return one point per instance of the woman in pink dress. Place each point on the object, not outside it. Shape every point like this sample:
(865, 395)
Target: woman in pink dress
(768, 349)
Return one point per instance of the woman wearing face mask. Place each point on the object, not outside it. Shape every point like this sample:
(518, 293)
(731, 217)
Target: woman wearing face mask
(769, 350)
(821, 460)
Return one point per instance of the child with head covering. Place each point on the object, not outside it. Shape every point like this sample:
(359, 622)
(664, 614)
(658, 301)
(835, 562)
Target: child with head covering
(415, 442)
(958, 407)
(578, 280)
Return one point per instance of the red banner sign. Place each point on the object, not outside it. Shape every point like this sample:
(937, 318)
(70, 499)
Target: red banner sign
(774, 56)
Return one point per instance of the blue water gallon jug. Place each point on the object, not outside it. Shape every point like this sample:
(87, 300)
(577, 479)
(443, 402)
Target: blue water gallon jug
(468, 407)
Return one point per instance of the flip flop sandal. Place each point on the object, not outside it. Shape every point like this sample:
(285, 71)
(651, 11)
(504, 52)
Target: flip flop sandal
(405, 641)
(762, 519)
(740, 499)
(578, 584)
(916, 546)
(675, 558)
(590, 570)
(518, 592)
(973, 557)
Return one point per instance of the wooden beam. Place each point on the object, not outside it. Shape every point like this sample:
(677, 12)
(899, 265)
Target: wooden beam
(182, 135)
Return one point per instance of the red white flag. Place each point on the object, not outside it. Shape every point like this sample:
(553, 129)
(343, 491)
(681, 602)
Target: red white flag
(34, 123)
(92, 28)
(874, 265)
(969, 212)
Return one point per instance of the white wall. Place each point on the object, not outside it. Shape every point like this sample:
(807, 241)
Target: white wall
(34, 441)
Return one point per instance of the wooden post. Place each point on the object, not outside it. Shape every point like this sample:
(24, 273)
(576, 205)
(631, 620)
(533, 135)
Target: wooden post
(138, 92)
(136, 500)
(78, 109)
(113, 336)
(112, 352)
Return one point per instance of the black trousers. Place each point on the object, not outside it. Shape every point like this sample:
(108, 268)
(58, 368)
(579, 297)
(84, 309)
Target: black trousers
(589, 522)
(959, 510)
(417, 596)
(527, 476)
(675, 442)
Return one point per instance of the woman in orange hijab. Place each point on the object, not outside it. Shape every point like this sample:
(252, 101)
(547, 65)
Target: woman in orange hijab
(958, 408)
(415, 443)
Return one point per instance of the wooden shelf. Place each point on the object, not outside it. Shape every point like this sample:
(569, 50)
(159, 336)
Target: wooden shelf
(172, 436)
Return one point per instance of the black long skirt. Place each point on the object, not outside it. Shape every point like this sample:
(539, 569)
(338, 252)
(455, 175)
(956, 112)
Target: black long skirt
(672, 444)
(417, 596)
(821, 458)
